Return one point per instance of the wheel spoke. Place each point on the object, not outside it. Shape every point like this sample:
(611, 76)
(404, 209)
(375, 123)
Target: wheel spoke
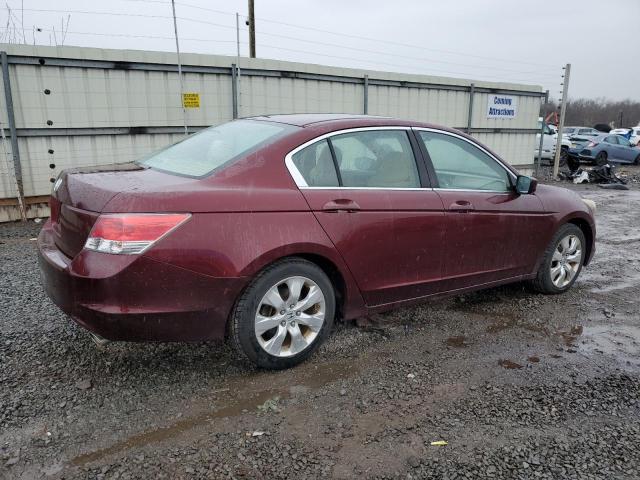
(570, 273)
(574, 257)
(314, 296)
(274, 345)
(565, 244)
(314, 322)
(557, 256)
(295, 285)
(573, 245)
(298, 342)
(266, 323)
(274, 298)
(555, 271)
(561, 278)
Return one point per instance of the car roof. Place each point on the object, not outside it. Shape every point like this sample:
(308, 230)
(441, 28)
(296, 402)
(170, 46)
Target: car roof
(307, 119)
(337, 121)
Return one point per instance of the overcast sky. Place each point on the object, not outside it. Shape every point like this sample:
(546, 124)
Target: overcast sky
(500, 40)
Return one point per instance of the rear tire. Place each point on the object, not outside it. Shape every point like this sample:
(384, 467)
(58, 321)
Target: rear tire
(601, 159)
(637, 160)
(272, 326)
(562, 261)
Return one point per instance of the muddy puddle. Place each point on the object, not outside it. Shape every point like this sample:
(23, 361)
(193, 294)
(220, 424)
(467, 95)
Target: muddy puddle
(622, 342)
(459, 341)
(246, 395)
(630, 281)
(509, 365)
(571, 336)
(500, 321)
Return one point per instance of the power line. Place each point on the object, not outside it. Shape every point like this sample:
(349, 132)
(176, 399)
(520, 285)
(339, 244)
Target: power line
(422, 59)
(152, 37)
(423, 69)
(359, 37)
(498, 79)
(369, 39)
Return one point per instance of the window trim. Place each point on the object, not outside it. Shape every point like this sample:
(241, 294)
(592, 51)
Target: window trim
(302, 183)
(512, 176)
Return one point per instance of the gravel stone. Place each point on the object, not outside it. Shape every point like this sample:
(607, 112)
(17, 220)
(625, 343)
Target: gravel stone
(126, 411)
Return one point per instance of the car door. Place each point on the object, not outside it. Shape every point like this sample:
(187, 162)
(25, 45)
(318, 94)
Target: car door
(610, 145)
(492, 232)
(372, 198)
(627, 153)
(549, 141)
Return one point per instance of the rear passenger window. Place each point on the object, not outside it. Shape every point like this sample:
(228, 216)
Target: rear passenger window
(376, 159)
(315, 164)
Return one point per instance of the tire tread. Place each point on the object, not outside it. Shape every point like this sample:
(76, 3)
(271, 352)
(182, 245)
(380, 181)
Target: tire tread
(242, 305)
(542, 283)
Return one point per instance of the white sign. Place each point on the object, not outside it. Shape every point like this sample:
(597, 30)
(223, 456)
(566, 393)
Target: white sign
(502, 106)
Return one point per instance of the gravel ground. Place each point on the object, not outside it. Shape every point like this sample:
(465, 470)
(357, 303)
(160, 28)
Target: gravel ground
(520, 385)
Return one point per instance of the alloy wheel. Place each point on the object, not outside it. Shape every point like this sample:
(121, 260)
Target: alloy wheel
(290, 316)
(566, 260)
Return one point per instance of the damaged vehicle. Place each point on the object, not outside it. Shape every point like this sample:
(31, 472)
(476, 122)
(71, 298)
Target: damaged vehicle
(607, 148)
(266, 230)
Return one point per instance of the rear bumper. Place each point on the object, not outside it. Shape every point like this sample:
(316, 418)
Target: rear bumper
(135, 298)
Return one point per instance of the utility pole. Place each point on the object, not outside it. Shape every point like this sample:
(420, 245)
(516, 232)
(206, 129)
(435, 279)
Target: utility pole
(175, 30)
(252, 30)
(563, 109)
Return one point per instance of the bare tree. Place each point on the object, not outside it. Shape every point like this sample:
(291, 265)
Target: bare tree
(588, 112)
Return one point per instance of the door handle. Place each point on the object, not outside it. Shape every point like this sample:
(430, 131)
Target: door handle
(341, 205)
(461, 206)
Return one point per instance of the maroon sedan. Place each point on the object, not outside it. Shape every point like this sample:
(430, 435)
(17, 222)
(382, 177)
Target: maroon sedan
(267, 229)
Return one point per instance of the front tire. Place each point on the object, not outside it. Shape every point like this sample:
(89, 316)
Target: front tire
(562, 262)
(284, 315)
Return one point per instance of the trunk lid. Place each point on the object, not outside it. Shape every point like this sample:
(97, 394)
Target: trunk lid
(78, 197)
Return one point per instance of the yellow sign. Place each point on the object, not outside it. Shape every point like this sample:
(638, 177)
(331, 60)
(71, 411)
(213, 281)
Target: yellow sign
(191, 100)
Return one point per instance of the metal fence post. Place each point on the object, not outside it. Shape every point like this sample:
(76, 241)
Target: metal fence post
(15, 152)
(234, 89)
(563, 112)
(365, 98)
(472, 91)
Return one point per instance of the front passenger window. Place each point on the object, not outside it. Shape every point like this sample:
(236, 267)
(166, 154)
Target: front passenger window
(459, 165)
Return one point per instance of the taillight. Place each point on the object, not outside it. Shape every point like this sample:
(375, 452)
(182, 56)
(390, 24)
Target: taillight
(131, 233)
(592, 144)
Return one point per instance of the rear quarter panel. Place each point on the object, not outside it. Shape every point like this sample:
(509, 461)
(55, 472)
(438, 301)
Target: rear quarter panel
(240, 244)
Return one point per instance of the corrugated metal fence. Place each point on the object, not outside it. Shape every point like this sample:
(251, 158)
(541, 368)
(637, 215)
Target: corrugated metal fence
(82, 106)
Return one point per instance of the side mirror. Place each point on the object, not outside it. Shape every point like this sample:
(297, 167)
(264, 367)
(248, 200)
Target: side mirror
(526, 185)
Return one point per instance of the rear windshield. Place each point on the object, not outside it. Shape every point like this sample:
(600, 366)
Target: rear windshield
(203, 152)
(568, 130)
